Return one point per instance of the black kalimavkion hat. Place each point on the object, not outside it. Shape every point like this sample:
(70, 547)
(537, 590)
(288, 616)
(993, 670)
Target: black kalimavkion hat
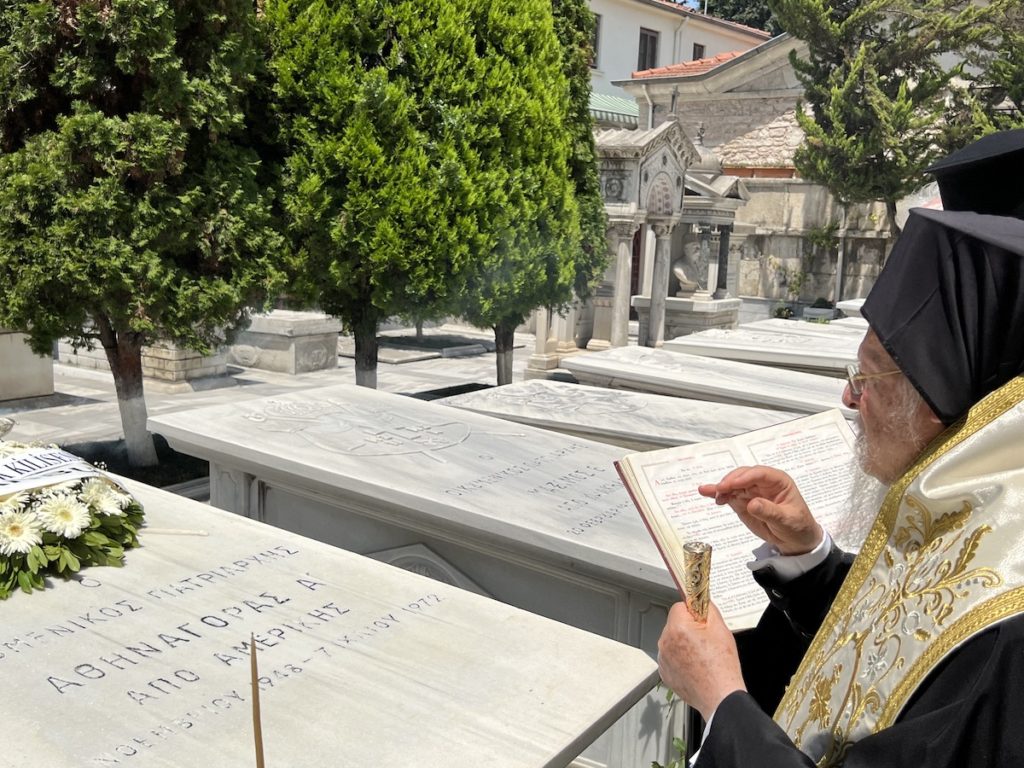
(949, 306)
(985, 177)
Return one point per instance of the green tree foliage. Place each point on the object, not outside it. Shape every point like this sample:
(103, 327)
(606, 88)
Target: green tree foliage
(754, 13)
(377, 101)
(877, 90)
(574, 26)
(534, 254)
(998, 74)
(428, 163)
(132, 202)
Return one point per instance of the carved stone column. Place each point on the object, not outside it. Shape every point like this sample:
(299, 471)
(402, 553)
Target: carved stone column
(545, 356)
(722, 286)
(659, 283)
(708, 274)
(622, 232)
(595, 325)
(563, 328)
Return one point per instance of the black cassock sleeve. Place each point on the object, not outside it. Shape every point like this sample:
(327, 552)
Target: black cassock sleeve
(770, 653)
(968, 713)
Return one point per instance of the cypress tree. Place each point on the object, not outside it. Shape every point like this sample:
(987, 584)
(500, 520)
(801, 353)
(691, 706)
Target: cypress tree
(375, 100)
(999, 78)
(574, 26)
(132, 194)
(534, 256)
(752, 13)
(427, 168)
(876, 85)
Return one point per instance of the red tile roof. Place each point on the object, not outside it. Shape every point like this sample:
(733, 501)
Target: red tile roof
(686, 68)
(679, 7)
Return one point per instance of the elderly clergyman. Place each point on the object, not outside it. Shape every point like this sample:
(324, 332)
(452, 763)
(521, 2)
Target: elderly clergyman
(912, 654)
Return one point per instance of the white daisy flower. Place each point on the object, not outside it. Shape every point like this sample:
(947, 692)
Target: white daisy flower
(64, 515)
(19, 532)
(103, 497)
(58, 489)
(9, 448)
(13, 503)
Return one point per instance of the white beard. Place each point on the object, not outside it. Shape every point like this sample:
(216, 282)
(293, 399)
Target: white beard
(866, 497)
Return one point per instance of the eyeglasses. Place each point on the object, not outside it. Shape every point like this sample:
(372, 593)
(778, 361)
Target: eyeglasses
(856, 379)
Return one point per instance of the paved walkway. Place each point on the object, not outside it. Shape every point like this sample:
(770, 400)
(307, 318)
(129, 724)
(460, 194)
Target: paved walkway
(84, 408)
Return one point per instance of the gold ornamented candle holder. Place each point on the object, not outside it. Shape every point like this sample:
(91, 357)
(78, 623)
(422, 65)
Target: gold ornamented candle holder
(697, 578)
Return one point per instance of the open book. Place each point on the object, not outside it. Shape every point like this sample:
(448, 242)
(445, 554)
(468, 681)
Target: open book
(816, 451)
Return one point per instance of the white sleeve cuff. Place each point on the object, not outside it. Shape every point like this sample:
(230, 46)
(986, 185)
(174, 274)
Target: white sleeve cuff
(703, 738)
(788, 567)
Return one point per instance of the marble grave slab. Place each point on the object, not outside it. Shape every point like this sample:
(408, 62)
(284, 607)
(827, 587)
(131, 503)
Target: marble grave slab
(828, 356)
(361, 664)
(427, 465)
(852, 322)
(703, 378)
(830, 330)
(23, 373)
(634, 420)
(851, 307)
(530, 517)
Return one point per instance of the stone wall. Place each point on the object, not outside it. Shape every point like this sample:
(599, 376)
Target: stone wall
(787, 238)
(746, 132)
(23, 373)
(162, 361)
(795, 206)
(779, 267)
(779, 233)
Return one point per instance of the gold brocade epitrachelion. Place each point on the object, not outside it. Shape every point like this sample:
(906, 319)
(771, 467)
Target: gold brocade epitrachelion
(939, 565)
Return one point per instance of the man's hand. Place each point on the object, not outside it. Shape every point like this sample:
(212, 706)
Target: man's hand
(699, 660)
(769, 504)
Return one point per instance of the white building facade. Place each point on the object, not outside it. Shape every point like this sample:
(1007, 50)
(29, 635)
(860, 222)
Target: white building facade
(636, 35)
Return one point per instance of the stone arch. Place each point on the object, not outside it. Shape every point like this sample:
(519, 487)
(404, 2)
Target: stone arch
(661, 196)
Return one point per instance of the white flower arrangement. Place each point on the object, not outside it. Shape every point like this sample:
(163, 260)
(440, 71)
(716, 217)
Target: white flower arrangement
(56, 528)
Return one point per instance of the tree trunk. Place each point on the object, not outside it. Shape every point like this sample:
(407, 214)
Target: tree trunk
(894, 227)
(124, 354)
(364, 329)
(419, 331)
(504, 336)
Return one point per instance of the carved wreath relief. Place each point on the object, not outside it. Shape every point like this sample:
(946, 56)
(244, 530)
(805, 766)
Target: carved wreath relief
(359, 431)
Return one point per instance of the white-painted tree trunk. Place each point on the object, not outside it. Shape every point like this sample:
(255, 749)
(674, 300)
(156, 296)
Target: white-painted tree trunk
(364, 329)
(137, 439)
(124, 353)
(504, 337)
(366, 377)
(504, 362)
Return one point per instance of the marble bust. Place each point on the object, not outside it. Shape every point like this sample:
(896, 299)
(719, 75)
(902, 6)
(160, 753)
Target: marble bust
(685, 270)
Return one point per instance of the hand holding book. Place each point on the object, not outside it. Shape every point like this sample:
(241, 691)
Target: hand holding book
(815, 451)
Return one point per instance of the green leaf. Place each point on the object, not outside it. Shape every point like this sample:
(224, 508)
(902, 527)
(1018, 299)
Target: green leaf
(95, 539)
(36, 559)
(68, 561)
(443, 174)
